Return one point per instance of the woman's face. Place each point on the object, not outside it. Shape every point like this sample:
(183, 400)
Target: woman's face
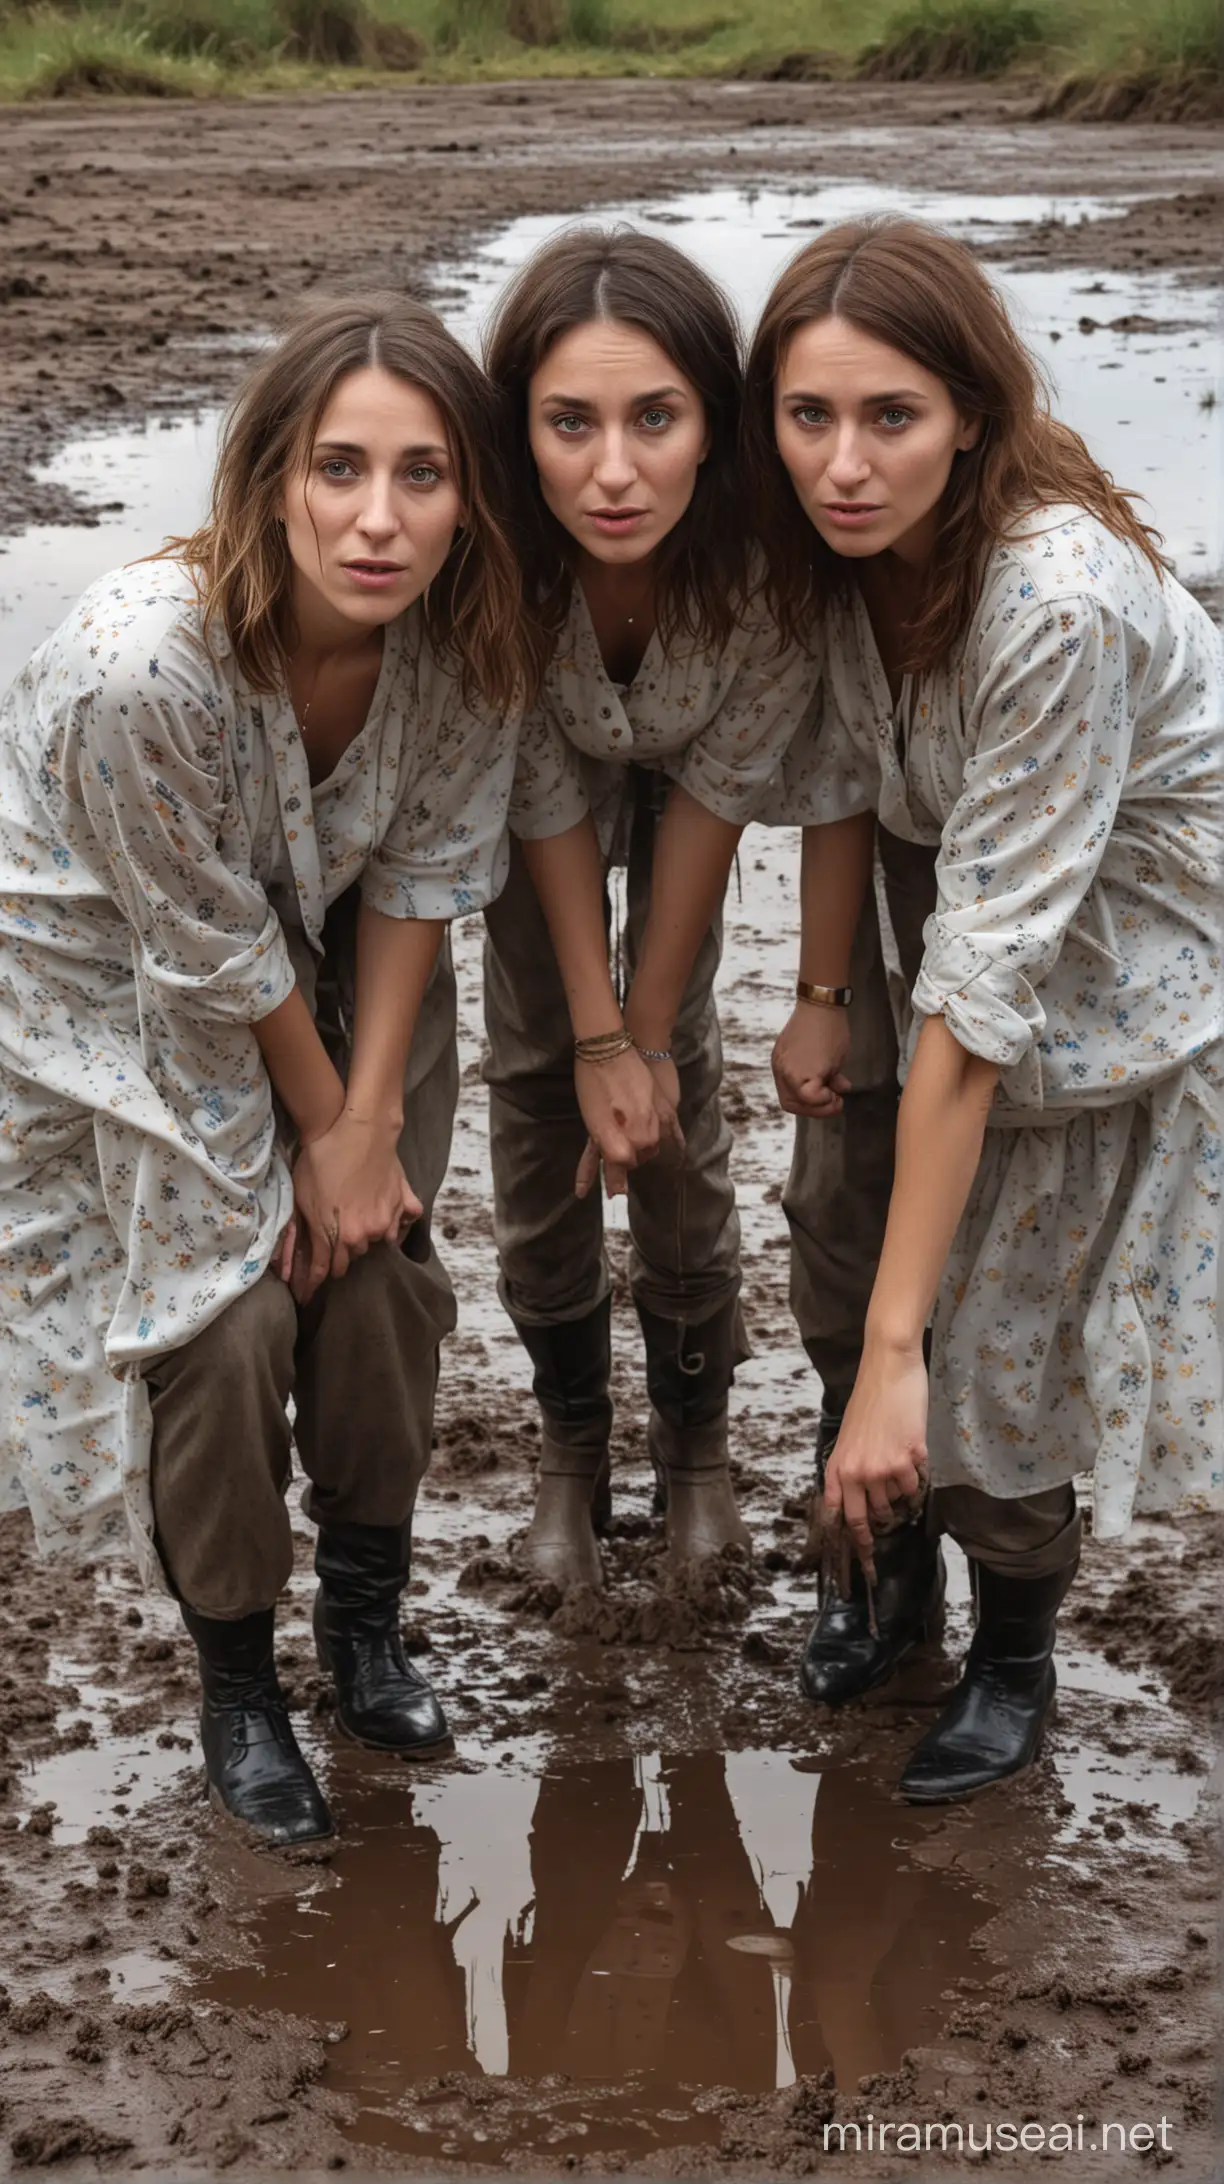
(869, 439)
(370, 520)
(618, 435)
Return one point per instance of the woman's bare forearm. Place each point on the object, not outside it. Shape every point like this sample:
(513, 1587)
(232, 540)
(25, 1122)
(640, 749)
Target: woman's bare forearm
(395, 961)
(568, 876)
(303, 1075)
(836, 873)
(940, 1128)
(693, 853)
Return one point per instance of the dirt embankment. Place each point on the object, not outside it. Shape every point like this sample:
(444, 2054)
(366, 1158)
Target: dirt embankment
(142, 245)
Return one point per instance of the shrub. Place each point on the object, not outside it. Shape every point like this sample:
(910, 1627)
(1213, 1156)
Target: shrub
(591, 24)
(536, 22)
(469, 22)
(333, 33)
(940, 38)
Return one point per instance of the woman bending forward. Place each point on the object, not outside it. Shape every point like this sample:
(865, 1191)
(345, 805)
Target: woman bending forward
(667, 703)
(1014, 679)
(245, 787)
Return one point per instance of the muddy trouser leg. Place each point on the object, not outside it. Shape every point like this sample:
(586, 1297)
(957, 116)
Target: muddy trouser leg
(220, 1464)
(220, 1456)
(837, 1194)
(1030, 1536)
(367, 1346)
(365, 1447)
(553, 1273)
(361, 1359)
(684, 1267)
(836, 1202)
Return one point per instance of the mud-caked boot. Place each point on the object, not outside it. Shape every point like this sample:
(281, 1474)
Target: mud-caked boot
(382, 1700)
(560, 1544)
(702, 1515)
(993, 1724)
(690, 1366)
(842, 1659)
(573, 1365)
(828, 1426)
(256, 1772)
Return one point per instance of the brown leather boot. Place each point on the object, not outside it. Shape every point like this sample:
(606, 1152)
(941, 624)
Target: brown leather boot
(702, 1517)
(560, 1545)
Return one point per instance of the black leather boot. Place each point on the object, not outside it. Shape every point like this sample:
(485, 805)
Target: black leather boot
(841, 1659)
(573, 1365)
(828, 1426)
(993, 1724)
(256, 1772)
(381, 1699)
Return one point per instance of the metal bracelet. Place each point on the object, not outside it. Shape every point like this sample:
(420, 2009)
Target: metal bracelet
(603, 1046)
(654, 1054)
(823, 997)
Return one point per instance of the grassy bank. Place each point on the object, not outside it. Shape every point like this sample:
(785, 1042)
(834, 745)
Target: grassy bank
(1080, 54)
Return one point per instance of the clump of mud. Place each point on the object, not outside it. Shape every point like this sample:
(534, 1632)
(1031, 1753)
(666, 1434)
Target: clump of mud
(1168, 1614)
(647, 1602)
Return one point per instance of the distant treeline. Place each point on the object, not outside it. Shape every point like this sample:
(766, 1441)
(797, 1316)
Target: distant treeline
(1103, 59)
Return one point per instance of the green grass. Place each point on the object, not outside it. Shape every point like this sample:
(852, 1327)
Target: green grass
(207, 47)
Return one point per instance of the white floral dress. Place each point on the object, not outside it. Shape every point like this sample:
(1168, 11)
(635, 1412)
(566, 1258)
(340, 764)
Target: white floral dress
(164, 860)
(716, 723)
(1070, 767)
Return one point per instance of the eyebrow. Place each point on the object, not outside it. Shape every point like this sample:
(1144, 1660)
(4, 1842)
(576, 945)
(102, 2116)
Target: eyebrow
(354, 447)
(639, 401)
(897, 394)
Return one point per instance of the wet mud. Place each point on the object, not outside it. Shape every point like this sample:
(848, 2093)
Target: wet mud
(657, 1914)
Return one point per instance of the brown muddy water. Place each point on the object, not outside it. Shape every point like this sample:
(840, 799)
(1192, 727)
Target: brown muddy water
(656, 1914)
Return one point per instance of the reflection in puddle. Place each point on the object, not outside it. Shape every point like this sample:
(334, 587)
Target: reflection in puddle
(640, 1926)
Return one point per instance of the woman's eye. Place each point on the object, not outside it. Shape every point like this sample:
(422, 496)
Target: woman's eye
(569, 427)
(424, 474)
(893, 417)
(810, 414)
(337, 466)
(656, 420)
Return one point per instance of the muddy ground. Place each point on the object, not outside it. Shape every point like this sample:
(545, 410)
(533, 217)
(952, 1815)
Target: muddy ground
(172, 2001)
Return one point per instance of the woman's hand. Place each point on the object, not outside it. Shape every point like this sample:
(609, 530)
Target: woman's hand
(629, 1108)
(808, 1061)
(349, 1192)
(878, 1467)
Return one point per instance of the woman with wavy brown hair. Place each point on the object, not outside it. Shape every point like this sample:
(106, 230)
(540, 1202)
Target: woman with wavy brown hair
(1018, 691)
(247, 784)
(666, 705)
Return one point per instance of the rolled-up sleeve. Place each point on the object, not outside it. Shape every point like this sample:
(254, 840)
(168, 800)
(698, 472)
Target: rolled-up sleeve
(143, 761)
(444, 854)
(548, 796)
(1050, 736)
(727, 767)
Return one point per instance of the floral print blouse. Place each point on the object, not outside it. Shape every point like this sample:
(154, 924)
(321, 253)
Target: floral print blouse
(1069, 766)
(718, 724)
